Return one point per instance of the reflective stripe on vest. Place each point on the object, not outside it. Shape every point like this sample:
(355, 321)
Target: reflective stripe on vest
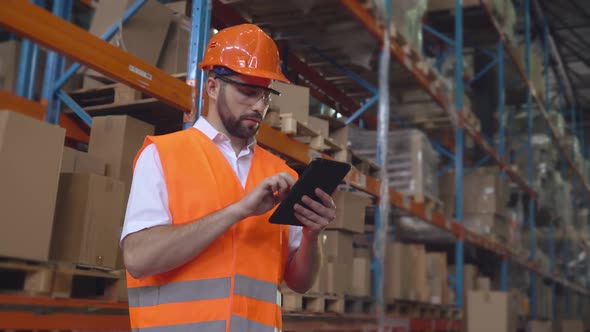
(206, 289)
(213, 326)
(180, 291)
(257, 289)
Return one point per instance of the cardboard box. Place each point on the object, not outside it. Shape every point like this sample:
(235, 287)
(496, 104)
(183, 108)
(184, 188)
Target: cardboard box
(489, 312)
(470, 274)
(30, 161)
(294, 99)
(362, 252)
(9, 59)
(174, 57)
(338, 246)
(419, 289)
(484, 284)
(151, 22)
(338, 278)
(117, 139)
(320, 125)
(539, 326)
(572, 326)
(361, 277)
(75, 161)
(395, 272)
(87, 219)
(485, 192)
(437, 277)
(350, 211)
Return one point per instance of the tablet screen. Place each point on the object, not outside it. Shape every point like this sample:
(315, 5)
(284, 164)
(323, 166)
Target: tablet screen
(320, 173)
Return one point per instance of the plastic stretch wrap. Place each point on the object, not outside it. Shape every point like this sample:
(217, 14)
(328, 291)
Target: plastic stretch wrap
(545, 154)
(410, 19)
(408, 228)
(411, 163)
(519, 124)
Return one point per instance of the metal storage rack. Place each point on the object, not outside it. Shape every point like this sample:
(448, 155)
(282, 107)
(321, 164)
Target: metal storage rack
(53, 31)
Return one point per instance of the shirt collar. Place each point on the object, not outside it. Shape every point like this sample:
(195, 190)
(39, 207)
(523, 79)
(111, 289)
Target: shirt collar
(215, 135)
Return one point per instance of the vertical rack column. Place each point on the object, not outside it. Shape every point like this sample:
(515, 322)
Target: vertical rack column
(531, 207)
(459, 144)
(501, 143)
(199, 37)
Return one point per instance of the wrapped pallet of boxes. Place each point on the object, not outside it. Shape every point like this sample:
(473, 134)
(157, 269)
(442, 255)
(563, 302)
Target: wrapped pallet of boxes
(411, 164)
(30, 162)
(485, 200)
(544, 154)
(489, 312)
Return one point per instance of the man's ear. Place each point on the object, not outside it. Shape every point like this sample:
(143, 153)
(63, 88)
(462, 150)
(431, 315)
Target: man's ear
(212, 88)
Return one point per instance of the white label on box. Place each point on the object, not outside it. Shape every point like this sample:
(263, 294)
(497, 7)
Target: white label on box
(488, 190)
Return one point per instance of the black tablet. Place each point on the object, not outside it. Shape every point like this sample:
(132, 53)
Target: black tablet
(320, 173)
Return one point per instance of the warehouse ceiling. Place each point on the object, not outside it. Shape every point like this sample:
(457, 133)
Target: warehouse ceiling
(569, 22)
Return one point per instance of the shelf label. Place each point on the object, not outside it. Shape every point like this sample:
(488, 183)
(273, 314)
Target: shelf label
(140, 72)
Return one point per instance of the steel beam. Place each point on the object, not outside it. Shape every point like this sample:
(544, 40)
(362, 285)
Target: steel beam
(57, 34)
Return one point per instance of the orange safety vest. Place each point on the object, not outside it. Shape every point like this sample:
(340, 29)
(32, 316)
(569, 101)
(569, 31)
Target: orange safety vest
(232, 285)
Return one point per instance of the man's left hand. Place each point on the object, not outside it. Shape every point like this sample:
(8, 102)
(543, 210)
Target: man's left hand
(318, 215)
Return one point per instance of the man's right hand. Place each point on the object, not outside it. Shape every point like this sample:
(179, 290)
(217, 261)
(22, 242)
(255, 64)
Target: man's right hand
(266, 195)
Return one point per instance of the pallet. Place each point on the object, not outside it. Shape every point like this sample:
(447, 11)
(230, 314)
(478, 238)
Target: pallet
(25, 277)
(304, 133)
(422, 310)
(363, 164)
(112, 94)
(315, 303)
(430, 203)
(359, 304)
(60, 280)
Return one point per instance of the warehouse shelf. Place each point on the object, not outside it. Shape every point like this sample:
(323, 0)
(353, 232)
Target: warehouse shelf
(537, 97)
(74, 131)
(370, 23)
(59, 35)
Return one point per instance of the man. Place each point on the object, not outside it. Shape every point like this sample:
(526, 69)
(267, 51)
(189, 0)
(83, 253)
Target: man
(198, 248)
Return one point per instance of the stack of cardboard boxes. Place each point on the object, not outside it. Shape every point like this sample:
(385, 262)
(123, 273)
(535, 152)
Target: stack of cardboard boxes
(60, 204)
(93, 192)
(340, 257)
(413, 274)
(485, 198)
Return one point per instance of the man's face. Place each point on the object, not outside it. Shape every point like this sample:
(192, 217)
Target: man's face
(242, 108)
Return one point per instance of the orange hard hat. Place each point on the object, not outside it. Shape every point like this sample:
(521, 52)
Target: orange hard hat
(245, 49)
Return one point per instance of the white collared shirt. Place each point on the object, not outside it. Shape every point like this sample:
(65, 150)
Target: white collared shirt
(148, 199)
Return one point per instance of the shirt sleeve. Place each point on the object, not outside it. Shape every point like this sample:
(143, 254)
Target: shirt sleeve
(148, 198)
(295, 233)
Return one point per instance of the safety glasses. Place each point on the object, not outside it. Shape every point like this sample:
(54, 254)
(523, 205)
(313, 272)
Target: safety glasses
(250, 94)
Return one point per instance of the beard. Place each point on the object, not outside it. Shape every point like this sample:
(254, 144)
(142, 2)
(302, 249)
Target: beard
(235, 126)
